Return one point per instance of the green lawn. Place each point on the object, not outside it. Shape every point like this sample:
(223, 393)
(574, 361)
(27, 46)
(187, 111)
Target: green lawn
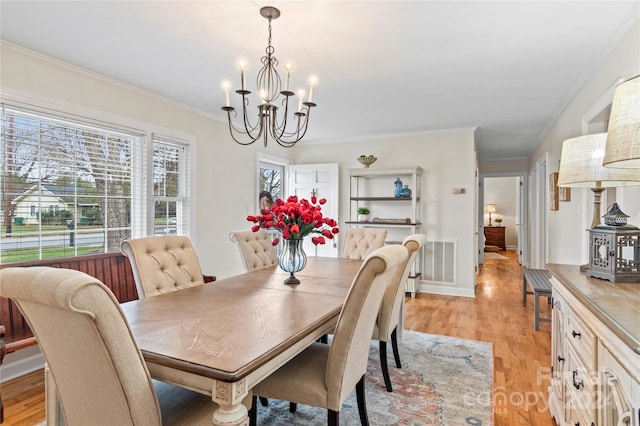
(26, 255)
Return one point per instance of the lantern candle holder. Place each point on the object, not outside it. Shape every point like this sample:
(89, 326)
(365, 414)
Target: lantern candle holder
(614, 252)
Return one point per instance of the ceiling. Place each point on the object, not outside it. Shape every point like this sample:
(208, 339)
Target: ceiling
(384, 67)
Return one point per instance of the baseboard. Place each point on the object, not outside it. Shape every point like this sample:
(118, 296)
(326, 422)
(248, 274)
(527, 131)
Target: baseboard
(446, 290)
(21, 362)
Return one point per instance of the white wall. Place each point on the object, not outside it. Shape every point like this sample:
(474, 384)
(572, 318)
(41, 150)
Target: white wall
(448, 160)
(225, 173)
(224, 178)
(503, 191)
(224, 191)
(567, 226)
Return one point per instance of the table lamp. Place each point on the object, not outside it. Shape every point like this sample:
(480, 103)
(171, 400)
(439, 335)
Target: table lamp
(491, 208)
(581, 166)
(623, 140)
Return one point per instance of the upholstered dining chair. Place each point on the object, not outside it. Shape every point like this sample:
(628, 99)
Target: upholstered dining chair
(98, 369)
(360, 242)
(323, 375)
(162, 264)
(386, 327)
(255, 249)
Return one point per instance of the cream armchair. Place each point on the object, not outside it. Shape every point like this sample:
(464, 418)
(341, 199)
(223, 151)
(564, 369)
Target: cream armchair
(391, 308)
(162, 264)
(98, 369)
(360, 242)
(324, 375)
(255, 249)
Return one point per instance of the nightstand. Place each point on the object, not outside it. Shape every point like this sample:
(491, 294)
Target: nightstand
(494, 236)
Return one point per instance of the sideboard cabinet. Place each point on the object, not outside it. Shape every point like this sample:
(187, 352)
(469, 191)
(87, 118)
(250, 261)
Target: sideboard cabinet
(595, 350)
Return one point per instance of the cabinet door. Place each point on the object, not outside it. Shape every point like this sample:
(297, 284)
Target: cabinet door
(615, 409)
(558, 362)
(617, 388)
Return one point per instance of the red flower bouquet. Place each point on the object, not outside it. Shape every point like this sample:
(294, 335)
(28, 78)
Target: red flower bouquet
(295, 219)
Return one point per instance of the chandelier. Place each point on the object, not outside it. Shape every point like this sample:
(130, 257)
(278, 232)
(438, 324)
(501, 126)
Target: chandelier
(269, 86)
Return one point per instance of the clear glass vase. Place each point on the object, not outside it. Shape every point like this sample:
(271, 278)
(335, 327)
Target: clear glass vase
(292, 258)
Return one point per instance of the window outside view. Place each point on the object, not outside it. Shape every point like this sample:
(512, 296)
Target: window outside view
(70, 188)
(270, 183)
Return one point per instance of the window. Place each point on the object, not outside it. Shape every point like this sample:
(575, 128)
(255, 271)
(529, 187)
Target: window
(75, 186)
(170, 186)
(271, 177)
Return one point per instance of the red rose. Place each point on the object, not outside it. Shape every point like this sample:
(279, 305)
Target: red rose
(295, 228)
(323, 200)
(275, 241)
(255, 228)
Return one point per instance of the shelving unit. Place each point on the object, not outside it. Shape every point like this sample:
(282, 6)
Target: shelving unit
(401, 216)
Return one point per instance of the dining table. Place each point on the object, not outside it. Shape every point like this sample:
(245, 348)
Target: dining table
(224, 337)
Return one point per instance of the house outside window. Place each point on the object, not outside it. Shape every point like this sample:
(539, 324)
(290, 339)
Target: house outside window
(64, 175)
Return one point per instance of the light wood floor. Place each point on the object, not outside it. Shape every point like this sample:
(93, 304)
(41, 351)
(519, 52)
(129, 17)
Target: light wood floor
(522, 356)
(496, 315)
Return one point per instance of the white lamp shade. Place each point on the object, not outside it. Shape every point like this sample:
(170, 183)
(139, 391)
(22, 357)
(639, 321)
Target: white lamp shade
(491, 208)
(623, 141)
(581, 165)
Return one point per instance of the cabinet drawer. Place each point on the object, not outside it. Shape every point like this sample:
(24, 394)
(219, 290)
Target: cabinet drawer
(582, 339)
(581, 385)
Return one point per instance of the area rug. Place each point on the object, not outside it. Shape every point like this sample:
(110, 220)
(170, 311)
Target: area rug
(443, 381)
(492, 255)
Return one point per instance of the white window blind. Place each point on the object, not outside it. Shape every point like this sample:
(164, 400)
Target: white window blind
(92, 175)
(171, 186)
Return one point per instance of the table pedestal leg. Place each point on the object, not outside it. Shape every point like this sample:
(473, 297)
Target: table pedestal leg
(229, 396)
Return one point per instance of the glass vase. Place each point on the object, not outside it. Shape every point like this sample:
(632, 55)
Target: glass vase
(397, 188)
(292, 258)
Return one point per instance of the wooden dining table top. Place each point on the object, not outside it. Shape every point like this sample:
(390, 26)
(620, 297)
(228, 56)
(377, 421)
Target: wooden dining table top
(227, 329)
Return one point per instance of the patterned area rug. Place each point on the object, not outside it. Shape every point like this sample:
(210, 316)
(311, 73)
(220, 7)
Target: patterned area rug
(491, 255)
(443, 381)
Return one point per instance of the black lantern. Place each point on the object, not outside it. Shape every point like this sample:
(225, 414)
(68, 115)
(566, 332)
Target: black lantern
(614, 252)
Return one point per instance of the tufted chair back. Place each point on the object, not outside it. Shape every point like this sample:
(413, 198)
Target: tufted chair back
(389, 316)
(360, 242)
(99, 373)
(162, 264)
(255, 248)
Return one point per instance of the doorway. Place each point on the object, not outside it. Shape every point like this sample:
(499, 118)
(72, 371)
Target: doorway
(506, 193)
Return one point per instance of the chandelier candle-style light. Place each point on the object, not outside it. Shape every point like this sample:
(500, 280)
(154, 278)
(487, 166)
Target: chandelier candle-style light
(270, 88)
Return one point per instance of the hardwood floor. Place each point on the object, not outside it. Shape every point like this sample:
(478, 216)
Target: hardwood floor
(522, 356)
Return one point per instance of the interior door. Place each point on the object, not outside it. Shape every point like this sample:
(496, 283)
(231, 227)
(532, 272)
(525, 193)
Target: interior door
(321, 180)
